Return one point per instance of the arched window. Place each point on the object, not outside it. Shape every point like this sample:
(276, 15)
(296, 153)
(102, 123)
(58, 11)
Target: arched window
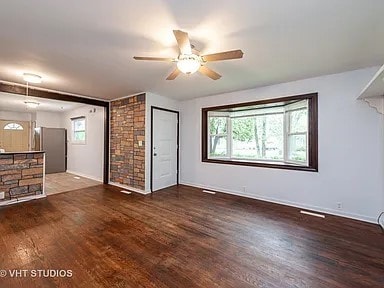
(13, 126)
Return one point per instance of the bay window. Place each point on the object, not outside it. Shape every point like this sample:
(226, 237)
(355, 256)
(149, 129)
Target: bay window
(276, 133)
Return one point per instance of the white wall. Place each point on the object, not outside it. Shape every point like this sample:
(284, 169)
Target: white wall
(351, 153)
(42, 118)
(158, 101)
(16, 116)
(49, 119)
(86, 160)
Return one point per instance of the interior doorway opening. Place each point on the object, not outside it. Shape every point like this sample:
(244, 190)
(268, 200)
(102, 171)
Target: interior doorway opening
(76, 152)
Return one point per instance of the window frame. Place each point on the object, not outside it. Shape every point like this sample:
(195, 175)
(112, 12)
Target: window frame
(312, 136)
(79, 142)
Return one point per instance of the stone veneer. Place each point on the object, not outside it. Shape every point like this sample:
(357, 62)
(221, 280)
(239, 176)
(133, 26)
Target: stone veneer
(127, 129)
(21, 174)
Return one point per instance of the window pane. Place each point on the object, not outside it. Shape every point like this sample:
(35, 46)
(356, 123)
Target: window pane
(243, 135)
(217, 125)
(218, 137)
(297, 148)
(258, 137)
(79, 136)
(270, 137)
(79, 125)
(13, 126)
(298, 121)
(218, 146)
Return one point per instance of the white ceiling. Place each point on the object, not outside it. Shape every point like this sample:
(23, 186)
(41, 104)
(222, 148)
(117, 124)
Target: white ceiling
(86, 47)
(15, 102)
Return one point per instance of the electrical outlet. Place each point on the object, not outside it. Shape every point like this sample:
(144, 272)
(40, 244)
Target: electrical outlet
(244, 189)
(2, 195)
(339, 206)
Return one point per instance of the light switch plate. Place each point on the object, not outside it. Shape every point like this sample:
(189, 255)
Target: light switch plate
(2, 195)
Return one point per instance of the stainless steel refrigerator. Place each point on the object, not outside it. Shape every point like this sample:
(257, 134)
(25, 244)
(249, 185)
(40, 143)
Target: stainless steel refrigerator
(53, 141)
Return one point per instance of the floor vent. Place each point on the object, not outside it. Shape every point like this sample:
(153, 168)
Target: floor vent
(209, 192)
(312, 214)
(125, 191)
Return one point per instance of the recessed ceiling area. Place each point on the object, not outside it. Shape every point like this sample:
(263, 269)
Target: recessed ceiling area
(87, 47)
(16, 103)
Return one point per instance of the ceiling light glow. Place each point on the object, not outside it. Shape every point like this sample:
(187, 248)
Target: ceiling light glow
(189, 64)
(32, 78)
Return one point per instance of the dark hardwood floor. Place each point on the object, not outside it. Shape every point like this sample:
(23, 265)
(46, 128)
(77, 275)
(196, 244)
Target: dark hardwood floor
(182, 237)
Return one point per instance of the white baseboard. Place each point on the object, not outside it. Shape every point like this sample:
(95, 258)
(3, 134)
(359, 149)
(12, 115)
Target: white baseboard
(23, 199)
(130, 188)
(85, 176)
(288, 203)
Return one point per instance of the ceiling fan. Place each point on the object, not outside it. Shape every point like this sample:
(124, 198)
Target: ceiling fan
(189, 60)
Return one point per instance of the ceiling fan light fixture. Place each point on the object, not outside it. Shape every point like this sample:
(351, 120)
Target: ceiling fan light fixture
(32, 78)
(188, 64)
(189, 60)
(32, 104)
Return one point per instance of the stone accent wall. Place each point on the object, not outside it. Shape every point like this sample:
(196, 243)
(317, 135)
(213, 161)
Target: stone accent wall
(21, 174)
(127, 129)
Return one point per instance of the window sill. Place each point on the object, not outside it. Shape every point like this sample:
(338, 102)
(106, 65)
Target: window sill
(273, 165)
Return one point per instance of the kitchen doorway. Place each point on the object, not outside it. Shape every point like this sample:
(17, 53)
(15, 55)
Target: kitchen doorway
(73, 135)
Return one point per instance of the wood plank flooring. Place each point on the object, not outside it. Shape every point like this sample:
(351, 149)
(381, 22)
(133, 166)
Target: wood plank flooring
(182, 237)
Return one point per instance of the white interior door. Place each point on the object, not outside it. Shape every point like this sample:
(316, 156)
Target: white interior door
(164, 149)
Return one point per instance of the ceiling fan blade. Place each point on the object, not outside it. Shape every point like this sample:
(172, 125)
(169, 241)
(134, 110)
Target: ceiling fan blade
(235, 54)
(154, 58)
(183, 42)
(209, 72)
(174, 74)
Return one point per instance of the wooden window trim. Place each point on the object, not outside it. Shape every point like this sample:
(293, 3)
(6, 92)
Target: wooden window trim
(312, 134)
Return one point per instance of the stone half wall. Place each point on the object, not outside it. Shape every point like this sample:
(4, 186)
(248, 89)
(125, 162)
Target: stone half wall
(128, 142)
(21, 175)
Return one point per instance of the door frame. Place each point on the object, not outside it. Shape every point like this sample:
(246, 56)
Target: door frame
(49, 94)
(153, 108)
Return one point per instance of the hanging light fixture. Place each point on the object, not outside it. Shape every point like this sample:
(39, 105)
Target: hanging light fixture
(31, 104)
(31, 78)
